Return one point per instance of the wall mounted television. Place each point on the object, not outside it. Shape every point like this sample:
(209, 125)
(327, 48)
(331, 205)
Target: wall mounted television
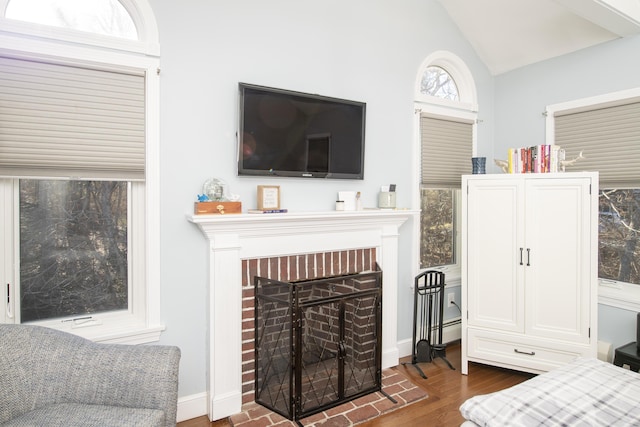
(294, 134)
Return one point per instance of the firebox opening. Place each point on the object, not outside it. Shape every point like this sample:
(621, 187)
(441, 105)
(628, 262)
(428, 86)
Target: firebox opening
(317, 342)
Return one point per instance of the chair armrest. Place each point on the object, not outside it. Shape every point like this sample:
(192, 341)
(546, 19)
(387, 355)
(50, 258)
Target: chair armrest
(142, 376)
(50, 366)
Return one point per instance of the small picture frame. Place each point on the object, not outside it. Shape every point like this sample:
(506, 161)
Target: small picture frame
(268, 197)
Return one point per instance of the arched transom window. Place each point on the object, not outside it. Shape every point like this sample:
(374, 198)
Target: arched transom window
(436, 81)
(105, 17)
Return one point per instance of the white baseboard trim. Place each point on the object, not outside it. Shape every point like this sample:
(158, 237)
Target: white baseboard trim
(451, 331)
(192, 406)
(604, 351)
(195, 405)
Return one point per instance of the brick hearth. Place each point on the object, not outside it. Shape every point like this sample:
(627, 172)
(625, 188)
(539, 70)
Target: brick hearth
(350, 413)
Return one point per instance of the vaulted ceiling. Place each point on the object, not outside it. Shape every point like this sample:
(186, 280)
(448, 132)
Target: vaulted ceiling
(508, 34)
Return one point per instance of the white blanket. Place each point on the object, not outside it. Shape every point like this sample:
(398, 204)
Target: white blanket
(587, 392)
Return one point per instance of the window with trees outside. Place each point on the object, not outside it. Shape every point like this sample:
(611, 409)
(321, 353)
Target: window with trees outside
(446, 146)
(78, 146)
(606, 130)
(437, 219)
(619, 235)
(74, 244)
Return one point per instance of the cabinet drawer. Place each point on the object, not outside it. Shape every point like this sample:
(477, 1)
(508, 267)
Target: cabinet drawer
(520, 352)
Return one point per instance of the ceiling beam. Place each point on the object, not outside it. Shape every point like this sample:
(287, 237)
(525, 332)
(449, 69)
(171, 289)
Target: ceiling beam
(621, 17)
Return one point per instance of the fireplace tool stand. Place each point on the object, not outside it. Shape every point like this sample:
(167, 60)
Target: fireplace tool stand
(428, 305)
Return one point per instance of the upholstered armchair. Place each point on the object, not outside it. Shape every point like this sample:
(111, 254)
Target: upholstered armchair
(53, 378)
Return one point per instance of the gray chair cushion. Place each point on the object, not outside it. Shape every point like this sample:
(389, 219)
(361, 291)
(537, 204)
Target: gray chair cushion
(42, 369)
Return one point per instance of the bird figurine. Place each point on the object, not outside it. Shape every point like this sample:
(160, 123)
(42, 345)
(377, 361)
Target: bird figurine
(502, 164)
(565, 163)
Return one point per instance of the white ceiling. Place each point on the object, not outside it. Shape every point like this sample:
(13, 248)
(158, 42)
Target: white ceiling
(508, 34)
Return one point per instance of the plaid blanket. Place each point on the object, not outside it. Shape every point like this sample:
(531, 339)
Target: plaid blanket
(586, 392)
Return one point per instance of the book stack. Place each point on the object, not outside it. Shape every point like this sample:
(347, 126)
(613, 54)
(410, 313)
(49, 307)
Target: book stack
(266, 211)
(536, 159)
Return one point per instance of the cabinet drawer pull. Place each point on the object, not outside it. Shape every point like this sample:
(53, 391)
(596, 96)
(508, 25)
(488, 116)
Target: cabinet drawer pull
(528, 353)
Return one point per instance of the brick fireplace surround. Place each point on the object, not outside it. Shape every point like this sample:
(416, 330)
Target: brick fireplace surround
(290, 268)
(289, 246)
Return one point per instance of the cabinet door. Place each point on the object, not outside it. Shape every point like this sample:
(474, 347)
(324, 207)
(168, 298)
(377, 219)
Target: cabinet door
(557, 271)
(495, 291)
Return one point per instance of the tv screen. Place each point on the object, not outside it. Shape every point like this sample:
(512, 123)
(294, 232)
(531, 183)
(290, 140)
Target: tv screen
(287, 133)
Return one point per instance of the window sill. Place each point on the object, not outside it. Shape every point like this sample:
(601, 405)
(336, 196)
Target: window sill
(131, 336)
(452, 273)
(113, 333)
(619, 295)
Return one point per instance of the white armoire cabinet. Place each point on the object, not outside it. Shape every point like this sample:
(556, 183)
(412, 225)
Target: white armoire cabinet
(529, 269)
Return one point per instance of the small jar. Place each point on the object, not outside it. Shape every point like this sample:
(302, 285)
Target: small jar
(339, 205)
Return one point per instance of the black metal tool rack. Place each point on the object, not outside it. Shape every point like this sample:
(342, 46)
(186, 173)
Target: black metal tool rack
(428, 310)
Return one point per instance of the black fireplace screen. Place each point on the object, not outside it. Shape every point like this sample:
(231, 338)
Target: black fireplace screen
(318, 342)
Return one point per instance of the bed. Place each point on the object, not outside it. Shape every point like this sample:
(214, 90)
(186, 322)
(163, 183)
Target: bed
(586, 392)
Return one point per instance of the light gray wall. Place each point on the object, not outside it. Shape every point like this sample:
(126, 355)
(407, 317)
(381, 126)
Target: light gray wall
(616, 326)
(521, 97)
(365, 50)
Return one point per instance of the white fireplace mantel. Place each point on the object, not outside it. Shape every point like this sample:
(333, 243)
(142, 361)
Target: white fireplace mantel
(233, 238)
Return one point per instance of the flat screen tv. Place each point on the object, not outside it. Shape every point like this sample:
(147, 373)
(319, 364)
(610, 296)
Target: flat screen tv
(294, 134)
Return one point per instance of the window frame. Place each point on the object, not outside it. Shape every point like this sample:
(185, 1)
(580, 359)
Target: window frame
(141, 323)
(610, 292)
(460, 74)
(464, 110)
(141, 14)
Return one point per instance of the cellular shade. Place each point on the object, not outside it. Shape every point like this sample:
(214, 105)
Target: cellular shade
(609, 138)
(446, 151)
(67, 121)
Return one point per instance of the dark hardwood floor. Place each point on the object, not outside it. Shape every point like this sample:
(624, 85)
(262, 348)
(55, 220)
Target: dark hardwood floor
(447, 390)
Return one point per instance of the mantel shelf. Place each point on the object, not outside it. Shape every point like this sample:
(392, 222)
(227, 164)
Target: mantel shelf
(300, 223)
(290, 218)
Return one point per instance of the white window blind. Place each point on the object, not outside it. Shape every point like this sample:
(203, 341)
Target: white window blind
(609, 138)
(66, 121)
(446, 151)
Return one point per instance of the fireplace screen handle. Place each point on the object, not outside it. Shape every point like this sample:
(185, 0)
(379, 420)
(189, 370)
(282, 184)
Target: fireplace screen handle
(342, 350)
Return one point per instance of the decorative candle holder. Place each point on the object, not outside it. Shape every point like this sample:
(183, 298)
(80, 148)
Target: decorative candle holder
(479, 165)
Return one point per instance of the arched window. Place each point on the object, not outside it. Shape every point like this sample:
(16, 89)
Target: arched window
(437, 82)
(106, 17)
(441, 75)
(80, 166)
(445, 105)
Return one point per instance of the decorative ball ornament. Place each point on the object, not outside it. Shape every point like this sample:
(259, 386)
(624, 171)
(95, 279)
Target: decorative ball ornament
(216, 190)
